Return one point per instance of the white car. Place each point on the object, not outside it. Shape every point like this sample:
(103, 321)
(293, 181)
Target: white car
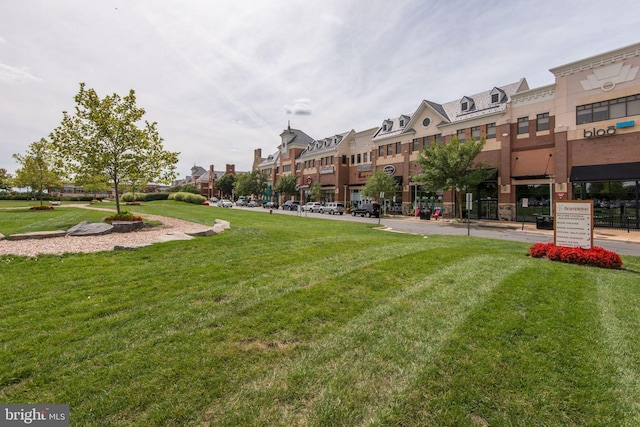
(312, 207)
(225, 203)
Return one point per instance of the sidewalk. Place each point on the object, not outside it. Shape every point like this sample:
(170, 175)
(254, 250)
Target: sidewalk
(631, 236)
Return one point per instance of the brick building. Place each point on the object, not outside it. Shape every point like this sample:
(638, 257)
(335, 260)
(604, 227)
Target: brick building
(574, 139)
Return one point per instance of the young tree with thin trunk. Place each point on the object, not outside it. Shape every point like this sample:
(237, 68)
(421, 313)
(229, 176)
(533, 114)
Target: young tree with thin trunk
(37, 170)
(452, 166)
(378, 183)
(103, 138)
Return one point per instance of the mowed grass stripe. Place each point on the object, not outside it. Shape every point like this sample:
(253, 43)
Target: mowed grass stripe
(352, 376)
(620, 310)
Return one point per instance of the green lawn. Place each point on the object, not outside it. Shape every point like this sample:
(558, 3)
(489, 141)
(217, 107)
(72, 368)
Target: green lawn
(286, 320)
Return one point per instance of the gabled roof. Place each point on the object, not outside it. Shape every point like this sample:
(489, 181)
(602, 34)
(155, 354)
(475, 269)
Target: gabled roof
(295, 136)
(392, 127)
(270, 160)
(482, 102)
(323, 145)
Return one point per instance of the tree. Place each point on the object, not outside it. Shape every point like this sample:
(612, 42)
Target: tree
(378, 183)
(6, 180)
(249, 184)
(452, 166)
(315, 191)
(37, 169)
(287, 185)
(103, 139)
(225, 184)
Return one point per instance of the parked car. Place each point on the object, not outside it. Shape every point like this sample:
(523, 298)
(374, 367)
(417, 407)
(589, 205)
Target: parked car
(252, 204)
(270, 205)
(214, 200)
(312, 207)
(333, 208)
(225, 203)
(290, 205)
(367, 209)
(241, 202)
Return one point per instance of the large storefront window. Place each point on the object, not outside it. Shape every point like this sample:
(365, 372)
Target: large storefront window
(538, 202)
(615, 204)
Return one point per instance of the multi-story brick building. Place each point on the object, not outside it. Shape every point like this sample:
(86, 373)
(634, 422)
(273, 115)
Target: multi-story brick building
(574, 139)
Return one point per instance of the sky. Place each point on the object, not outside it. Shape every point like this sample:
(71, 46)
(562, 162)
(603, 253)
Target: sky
(223, 78)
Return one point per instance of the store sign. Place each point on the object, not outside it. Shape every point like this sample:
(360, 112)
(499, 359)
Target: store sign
(389, 169)
(594, 133)
(326, 169)
(574, 224)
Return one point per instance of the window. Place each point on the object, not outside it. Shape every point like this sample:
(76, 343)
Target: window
(389, 149)
(491, 130)
(465, 106)
(353, 159)
(523, 125)
(359, 158)
(286, 168)
(416, 145)
(542, 122)
(381, 151)
(344, 159)
(398, 148)
(364, 157)
(605, 110)
(298, 167)
(439, 138)
(461, 134)
(475, 133)
(495, 98)
(401, 122)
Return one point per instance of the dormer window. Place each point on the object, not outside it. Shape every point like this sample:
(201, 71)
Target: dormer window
(387, 125)
(467, 104)
(497, 95)
(401, 122)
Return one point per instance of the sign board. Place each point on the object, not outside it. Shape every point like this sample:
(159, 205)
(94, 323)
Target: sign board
(573, 223)
(469, 201)
(525, 202)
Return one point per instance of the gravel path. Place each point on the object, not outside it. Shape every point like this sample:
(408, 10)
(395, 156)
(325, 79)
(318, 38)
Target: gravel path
(74, 244)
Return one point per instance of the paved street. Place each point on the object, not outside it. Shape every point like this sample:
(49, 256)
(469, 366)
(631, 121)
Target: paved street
(619, 241)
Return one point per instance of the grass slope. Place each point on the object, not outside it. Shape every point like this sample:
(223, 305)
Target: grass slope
(286, 321)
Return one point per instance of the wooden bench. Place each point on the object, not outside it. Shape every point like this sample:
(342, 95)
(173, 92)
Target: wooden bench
(54, 202)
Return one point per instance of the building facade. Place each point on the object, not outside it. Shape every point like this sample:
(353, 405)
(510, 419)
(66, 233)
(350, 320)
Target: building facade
(574, 139)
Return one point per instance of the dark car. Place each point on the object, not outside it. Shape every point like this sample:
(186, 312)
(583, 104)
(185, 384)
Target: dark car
(270, 205)
(290, 205)
(367, 209)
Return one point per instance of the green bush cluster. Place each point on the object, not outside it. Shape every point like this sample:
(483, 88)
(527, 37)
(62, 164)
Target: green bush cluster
(187, 197)
(149, 197)
(130, 197)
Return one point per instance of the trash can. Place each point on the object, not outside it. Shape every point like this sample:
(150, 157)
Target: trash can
(544, 222)
(425, 214)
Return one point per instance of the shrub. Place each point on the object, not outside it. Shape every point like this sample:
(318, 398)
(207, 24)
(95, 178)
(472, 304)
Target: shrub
(130, 197)
(187, 197)
(596, 256)
(155, 196)
(41, 208)
(124, 216)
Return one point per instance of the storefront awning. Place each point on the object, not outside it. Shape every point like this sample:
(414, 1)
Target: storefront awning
(612, 172)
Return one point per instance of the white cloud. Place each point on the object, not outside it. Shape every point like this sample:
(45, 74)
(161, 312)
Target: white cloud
(299, 107)
(223, 78)
(14, 74)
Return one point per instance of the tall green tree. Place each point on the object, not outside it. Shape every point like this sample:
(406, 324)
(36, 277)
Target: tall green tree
(6, 180)
(37, 169)
(251, 184)
(287, 185)
(378, 183)
(103, 138)
(452, 166)
(225, 184)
